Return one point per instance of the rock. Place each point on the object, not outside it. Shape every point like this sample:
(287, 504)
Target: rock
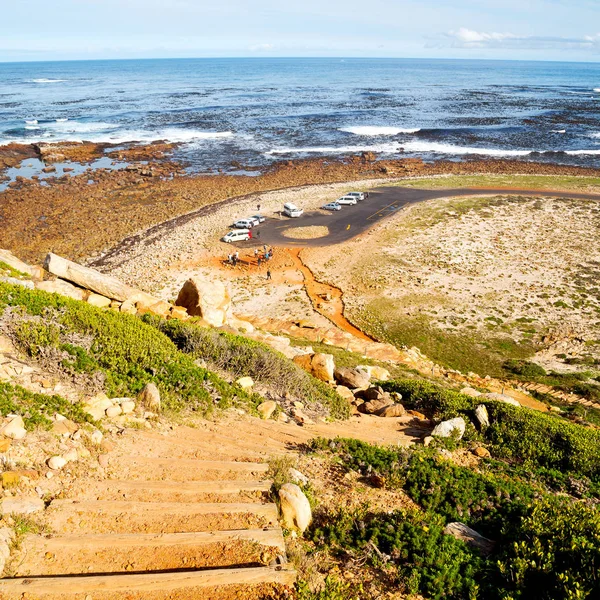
(71, 455)
(481, 414)
(301, 418)
(12, 261)
(21, 506)
(64, 427)
(114, 411)
(295, 508)
(393, 410)
(20, 282)
(57, 462)
(345, 392)
(461, 532)
(160, 308)
(96, 437)
(104, 460)
(501, 398)
(374, 407)
(61, 287)
(469, 391)
(207, 299)
(6, 542)
(149, 398)
(374, 373)
(319, 365)
(14, 429)
(427, 440)
(6, 345)
(179, 312)
(374, 393)
(351, 378)
(417, 415)
(98, 300)
(127, 406)
(267, 408)
(246, 383)
(4, 445)
(481, 452)
(297, 476)
(450, 428)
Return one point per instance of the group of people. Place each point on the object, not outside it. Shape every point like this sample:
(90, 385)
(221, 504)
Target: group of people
(266, 255)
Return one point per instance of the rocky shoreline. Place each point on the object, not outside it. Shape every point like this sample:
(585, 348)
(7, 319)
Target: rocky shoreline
(80, 216)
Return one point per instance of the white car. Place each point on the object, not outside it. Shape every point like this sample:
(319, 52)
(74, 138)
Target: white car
(237, 235)
(291, 210)
(332, 206)
(347, 200)
(358, 195)
(258, 219)
(244, 224)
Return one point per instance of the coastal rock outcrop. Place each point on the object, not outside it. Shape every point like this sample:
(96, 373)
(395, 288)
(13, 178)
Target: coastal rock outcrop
(207, 299)
(351, 378)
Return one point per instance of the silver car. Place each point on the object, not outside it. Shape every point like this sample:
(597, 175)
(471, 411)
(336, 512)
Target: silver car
(332, 206)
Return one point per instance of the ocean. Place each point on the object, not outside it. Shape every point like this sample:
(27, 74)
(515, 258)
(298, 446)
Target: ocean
(249, 112)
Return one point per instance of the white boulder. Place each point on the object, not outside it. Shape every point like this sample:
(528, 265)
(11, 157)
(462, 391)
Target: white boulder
(295, 508)
(452, 427)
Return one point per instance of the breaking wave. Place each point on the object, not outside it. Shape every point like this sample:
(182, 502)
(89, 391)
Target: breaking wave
(372, 130)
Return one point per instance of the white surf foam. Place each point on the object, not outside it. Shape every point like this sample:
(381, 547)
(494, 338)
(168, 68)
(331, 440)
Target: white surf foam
(559, 131)
(395, 148)
(32, 122)
(583, 152)
(372, 130)
(64, 130)
(597, 90)
(44, 80)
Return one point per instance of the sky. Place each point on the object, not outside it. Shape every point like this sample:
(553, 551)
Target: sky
(566, 30)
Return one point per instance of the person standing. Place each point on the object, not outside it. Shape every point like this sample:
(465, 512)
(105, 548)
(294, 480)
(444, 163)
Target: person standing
(268, 274)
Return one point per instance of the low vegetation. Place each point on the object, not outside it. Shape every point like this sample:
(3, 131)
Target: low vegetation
(240, 356)
(536, 500)
(119, 350)
(36, 409)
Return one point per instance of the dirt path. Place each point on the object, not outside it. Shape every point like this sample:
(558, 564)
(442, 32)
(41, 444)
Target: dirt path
(182, 512)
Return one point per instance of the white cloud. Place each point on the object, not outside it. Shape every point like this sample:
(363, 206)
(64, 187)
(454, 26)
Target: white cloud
(468, 38)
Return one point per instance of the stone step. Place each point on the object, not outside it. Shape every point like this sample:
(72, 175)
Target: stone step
(109, 516)
(176, 491)
(179, 584)
(183, 469)
(114, 553)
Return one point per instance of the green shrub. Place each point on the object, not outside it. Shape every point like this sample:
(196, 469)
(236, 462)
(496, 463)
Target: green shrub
(427, 561)
(556, 554)
(241, 356)
(128, 352)
(37, 408)
(524, 368)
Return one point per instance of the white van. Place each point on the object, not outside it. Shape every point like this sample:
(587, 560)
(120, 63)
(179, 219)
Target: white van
(347, 200)
(291, 210)
(357, 195)
(237, 235)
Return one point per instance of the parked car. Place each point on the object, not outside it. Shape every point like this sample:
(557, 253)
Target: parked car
(332, 206)
(291, 210)
(237, 235)
(357, 195)
(244, 224)
(348, 200)
(258, 219)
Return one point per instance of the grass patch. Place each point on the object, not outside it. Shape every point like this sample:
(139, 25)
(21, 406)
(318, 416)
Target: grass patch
(241, 356)
(464, 352)
(36, 409)
(8, 271)
(124, 350)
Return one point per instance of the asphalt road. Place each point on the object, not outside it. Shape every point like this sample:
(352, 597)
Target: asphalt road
(382, 202)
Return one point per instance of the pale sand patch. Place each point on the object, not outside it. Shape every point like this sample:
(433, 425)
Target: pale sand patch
(306, 233)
